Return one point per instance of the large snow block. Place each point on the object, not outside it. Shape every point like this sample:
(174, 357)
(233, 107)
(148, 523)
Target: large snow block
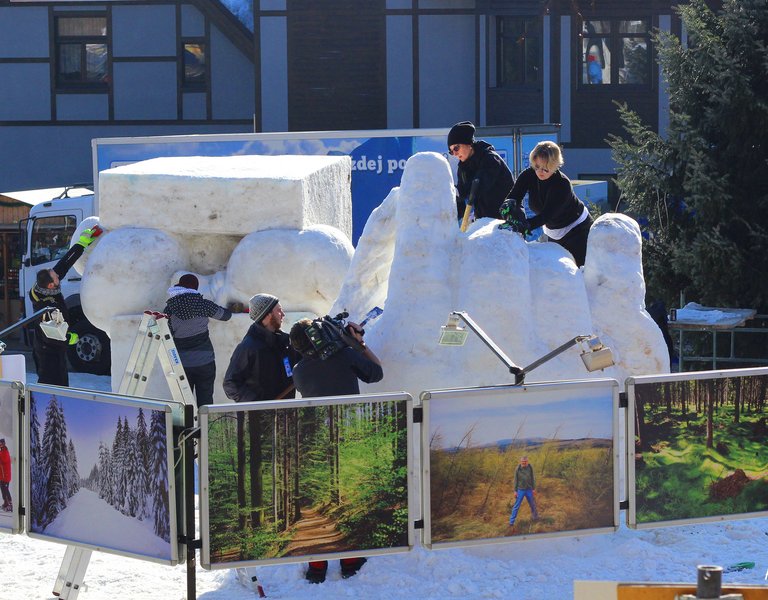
(233, 195)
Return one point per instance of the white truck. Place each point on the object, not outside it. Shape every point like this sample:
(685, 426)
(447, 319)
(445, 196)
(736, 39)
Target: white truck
(46, 236)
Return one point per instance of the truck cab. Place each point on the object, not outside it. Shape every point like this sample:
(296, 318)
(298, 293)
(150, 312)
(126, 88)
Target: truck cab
(46, 236)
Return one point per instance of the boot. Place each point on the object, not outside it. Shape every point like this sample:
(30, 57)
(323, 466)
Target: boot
(316, 571)
(350, 566)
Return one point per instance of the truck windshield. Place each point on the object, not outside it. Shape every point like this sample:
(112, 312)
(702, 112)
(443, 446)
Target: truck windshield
(50, 238)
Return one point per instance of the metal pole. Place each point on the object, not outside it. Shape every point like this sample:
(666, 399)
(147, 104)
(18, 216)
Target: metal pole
(709, 581)
(513, 368)
(189, 502)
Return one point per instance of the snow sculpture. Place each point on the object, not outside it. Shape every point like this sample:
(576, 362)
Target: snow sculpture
(243, 225)
(413, 262)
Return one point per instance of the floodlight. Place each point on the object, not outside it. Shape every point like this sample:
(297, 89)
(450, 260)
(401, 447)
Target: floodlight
(451, 334)
(53, 325)
(594, 355)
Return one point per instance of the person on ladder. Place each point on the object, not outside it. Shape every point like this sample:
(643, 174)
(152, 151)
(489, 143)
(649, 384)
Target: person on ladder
(188, 313)
(51, 355)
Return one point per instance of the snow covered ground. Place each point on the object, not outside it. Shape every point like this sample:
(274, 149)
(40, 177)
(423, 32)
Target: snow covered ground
(527, 570)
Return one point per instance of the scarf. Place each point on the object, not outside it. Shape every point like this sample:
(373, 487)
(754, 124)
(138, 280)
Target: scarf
(47, 291)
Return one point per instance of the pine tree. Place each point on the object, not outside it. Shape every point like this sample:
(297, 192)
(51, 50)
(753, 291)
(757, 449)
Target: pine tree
(38, 478)
(118, 468)
(159, 475)
(55, 462)
(703, 188)
(73, 475)
(105, 474)
(131, 473)
(142, 482)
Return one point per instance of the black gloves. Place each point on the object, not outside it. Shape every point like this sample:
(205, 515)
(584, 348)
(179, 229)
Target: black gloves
(514, 217)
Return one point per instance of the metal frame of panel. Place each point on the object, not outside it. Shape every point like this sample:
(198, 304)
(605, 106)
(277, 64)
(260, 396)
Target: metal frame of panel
(630, 446)
(507, 393)
(15, 393)
(173, 417)
(213, 409)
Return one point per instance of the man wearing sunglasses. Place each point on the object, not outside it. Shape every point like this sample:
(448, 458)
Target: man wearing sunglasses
(478, 160)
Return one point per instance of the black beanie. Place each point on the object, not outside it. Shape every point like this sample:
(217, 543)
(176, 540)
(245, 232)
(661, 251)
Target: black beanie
(461, 133)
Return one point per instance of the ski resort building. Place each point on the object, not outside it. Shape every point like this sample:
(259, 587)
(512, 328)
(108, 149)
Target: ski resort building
(73, 70)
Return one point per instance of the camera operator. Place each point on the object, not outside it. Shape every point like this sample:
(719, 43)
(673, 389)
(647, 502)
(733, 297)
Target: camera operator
(335, 375)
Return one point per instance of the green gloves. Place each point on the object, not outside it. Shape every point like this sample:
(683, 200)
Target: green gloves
(73, 337)
(86, 237)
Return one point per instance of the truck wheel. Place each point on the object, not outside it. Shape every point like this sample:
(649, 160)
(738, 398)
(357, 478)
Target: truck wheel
(92, 353)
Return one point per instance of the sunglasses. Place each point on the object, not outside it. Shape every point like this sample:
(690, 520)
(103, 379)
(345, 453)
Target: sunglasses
(453, 149)
(542, 169)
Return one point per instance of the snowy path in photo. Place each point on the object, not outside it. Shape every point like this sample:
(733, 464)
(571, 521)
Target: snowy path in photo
(89, 519)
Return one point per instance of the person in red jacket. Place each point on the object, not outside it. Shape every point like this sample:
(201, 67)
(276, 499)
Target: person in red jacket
(5, 476)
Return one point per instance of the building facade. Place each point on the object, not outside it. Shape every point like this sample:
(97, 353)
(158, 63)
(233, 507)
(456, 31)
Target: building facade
(81, 69)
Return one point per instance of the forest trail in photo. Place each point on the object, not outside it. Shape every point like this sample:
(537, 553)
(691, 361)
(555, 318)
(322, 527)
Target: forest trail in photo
(315, 533)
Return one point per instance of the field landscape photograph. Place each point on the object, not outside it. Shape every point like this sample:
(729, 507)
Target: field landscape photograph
(477, 444)
(700, 448)
(309, 480)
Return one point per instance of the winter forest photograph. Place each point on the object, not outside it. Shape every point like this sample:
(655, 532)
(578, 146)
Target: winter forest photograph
(302, 481)
(99, 475)
(521, 464)
(700, 448)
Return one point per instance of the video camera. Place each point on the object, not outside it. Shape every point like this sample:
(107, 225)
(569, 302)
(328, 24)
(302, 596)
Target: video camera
(329, 334)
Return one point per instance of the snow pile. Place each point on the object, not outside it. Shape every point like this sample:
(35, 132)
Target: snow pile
(529, 297)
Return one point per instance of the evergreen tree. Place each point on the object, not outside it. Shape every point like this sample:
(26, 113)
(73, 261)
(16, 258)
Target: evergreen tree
(142, 482)
(55, 462)
(38, 479)
(105, 473)
(118, 468)
(159, 475)
(131, 473)
(703, 188)
(73, 475)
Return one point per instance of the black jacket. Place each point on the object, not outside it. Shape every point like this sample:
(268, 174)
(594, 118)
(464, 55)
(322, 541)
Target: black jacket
(553, 200)
(260, 366)
(61, 268)
(337, 375)
(496, 181)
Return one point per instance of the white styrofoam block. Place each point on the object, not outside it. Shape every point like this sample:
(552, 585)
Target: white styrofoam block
(233, 195)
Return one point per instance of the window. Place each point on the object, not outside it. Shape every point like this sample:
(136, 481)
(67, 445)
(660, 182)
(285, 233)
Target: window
(194, 64)
(518, 58)
(615, 51)
(50, 238)
(81, 51)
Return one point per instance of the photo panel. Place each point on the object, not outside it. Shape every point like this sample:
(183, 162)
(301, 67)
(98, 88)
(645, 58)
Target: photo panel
(696, 447)
(13, 374)
(306, 479)
(101, 472)
(514, 462)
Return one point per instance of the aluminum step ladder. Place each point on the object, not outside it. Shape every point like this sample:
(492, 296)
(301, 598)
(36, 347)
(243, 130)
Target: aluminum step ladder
(153, 341)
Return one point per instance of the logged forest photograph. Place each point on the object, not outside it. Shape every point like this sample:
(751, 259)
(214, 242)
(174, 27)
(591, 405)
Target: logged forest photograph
(505, 467)
(307, 480)
(700, 448)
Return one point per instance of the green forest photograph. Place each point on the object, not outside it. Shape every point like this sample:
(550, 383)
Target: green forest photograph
(307, 480)
(522, 464)
(700, 448)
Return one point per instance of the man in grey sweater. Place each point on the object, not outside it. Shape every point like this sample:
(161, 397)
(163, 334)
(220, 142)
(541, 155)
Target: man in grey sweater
(188, 314)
